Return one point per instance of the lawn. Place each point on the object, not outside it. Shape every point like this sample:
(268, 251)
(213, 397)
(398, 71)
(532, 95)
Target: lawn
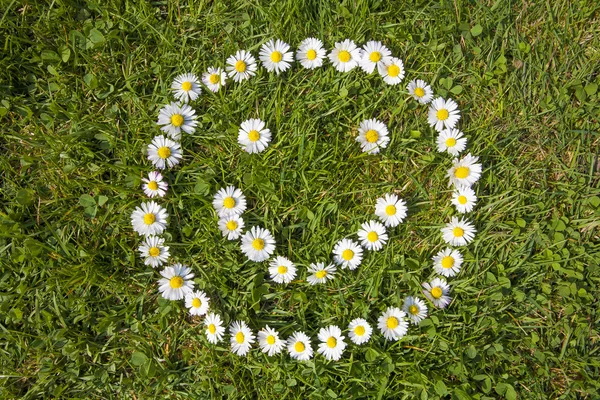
(81, 86)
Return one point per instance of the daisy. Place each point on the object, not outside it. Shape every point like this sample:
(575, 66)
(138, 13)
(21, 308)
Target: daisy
(392, 70)
(258, 244)
(229, 201)
(214, 78)
(269, 341)
(348, 254)
(231, 226)
(390, 210)
(372, 136)
(176, 282)
(311, 53)
(360, 331)
(415, 309)
(464, 198)
(332, 343)
(163, 151)
(175, 119)
(452, 141)
(214, 328)
(241, 66)
(458, 233)
(253, 136)
(299, 347)
(241, 338)
(186, 87)
(197, 302)
(420, 91)
(282, 270)
(149, 219)
(372, 235)
(345, 55)
(443, 113)
(153, 252)
(154, 185)
(447, 262)
(437, 292)
(275, 56)
(465, 171)
(392, 323)
(320, 273)
(373, 54)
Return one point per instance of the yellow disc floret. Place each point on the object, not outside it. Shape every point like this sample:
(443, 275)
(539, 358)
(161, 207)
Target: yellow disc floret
(186, 86)
(461, 172)
(239, 337)
(177, 120)
(253, 135)
(229, 202)
(448, 262)
(344, 56)
(393, 70)
(419, 92)
(258, 244)
(152, 185)
(149, 218)
(154, 251)
(462, 199)
(372, 236)
(214, 79)
(390, 210)
(450, 142)
(372, 136)
(436, 292)
(331, 342)
(164, 152)
(271, 339)
(299, 347)
(231, 225)
(413, 309)
(311, 54)
(196, 302)
(375, 56)
(176, 282)
(212, 328)
(276, 56)
(458, 232)
(392, 322)
(359, 330)
(282, 269)
(347, 254)
(240, 66)
(442, 114)
(321, 274)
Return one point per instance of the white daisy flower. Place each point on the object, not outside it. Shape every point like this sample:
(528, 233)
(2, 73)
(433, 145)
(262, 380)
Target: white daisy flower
(447, 262)
(391, 70)
(214, 79)
(311, 53)
(258, 244)
(372, 235)
(452, 141)
(149, 219)
(253, 136)
(393, 324)
(420, 91)
(282, 270)
(373, 54)
(464, 199)
(153, 252)
(231, 226)
(241, 338)
(415, 309)
(175, 118)
(332, 343)
(229, 201)
(320, 273)
(154, 185)
(241, 66)
(360, 331)
(372, 136)
(164, 152)
(299, 347)
(348, 254)
(443, 114)
(345, 55)
(214, 328)
(275, 56)
(176, 282)
(186, 87)
(391, 210)
(197, 302)
(465, 171)
(437, 292)
(269, 341)
(458, 233)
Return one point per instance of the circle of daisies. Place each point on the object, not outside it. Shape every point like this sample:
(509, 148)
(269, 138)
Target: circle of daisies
(150, 219)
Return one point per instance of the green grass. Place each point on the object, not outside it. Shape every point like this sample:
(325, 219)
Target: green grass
(81, 84)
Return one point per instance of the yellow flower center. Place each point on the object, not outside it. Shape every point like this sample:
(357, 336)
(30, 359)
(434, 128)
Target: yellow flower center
(393, 70)
(414, 310)
(448, 262)
(229, 202)
(176, 282)
(375, 56)
(392, 322)
(436, 292)
(390, 210)
(212, 328)
(253, 135)
(331, 342)
(419, 92)
(177, 120)
(442, 114)
(347, 254)
(461, 172)
(240, 66)
(311, 54)
(154, 251)
(186, 86)
(276, 56)
(152, 185)
(372, 236)
(258, 244)
(372, 136)
(271, 339)
(321, 274)
(359, 330)
(299, 347)
(213, 78)
(164, 152)
(239, 337)
(196, 302)
(149, 218)
(231, 225)
(450, 142)
(458, 232)
(462, 199)
(344, 56)
(282, 269)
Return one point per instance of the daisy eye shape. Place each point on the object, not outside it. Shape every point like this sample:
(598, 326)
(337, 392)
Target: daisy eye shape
(311, 54)
(419, 92)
